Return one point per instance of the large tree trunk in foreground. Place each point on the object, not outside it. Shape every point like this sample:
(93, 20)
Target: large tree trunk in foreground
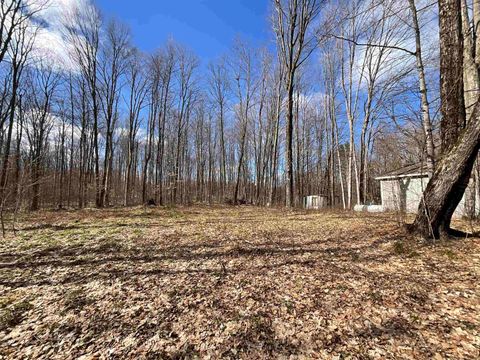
(460, 143)
(451, 73)
(448, 184)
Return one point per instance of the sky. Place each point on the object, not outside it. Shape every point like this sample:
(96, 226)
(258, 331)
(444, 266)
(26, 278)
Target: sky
(208, 27)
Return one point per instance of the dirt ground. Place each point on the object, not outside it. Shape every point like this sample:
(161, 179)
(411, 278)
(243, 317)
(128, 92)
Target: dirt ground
(232, 283)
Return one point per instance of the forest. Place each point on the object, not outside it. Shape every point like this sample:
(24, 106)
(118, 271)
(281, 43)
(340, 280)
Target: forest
(109, 125)
(154, 202)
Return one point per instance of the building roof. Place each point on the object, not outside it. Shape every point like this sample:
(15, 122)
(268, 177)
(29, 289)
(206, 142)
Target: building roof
(412, 170)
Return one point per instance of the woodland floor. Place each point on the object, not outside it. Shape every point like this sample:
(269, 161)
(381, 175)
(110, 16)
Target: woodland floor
(240, 282)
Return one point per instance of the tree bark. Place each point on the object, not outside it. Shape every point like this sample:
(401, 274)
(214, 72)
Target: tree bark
(449, 181)
(460, 144)
(451, 73)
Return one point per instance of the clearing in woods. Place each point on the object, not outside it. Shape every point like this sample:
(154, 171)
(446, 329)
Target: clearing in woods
(227, 282)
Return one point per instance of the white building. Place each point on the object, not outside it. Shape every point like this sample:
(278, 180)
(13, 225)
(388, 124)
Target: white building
(402, 190)
(314, 202)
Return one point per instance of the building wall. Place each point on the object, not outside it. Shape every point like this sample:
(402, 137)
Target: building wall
(314, 202)
(405, 194)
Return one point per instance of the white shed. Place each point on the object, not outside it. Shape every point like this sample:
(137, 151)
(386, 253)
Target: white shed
(402, 190)
(314, 202)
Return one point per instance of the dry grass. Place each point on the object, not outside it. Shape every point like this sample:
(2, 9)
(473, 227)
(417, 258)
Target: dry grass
(234, 283)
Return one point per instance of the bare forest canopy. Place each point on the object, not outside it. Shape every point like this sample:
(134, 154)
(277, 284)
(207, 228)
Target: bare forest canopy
(349, 92)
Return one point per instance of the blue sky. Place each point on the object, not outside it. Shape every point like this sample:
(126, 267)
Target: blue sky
(208, 27)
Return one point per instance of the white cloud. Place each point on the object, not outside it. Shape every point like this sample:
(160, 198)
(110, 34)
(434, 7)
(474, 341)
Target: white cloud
(50, 43)
(396, 35)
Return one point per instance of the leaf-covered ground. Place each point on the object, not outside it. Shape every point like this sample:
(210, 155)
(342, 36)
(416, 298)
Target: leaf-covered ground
(233, 283)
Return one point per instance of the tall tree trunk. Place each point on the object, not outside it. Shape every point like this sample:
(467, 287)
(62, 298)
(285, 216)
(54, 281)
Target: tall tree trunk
(459, 144)
(449, 181)
(240, 161)
(426, 121)
(470, 70)
(451, 73)
(278, 109)
(289, 143)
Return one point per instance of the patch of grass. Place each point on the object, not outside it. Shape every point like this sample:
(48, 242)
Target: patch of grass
(399, 248)
(12, 313)
(289, 305)
(402, 248)
(5, 301)
(110, 245)
(137, 232)
(413, 254)
(415, 318)
(173, 213)
(450, 254)
(468, 325)
(76, 300)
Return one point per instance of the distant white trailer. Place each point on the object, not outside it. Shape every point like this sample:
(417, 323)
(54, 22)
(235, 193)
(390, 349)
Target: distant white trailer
(314, 202)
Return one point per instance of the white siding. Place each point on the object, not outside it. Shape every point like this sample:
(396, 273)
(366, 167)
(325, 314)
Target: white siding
(314, 202)
(414, 192)
(405, 194)
(390, 191)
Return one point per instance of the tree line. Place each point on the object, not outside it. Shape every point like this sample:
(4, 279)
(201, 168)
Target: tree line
(349, 92)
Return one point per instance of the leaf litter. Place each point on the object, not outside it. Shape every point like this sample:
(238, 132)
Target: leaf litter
(234, 283)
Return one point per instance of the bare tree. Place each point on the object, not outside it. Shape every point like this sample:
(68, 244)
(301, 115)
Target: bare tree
(295, 44)
(136, 100)
(154, 106)
(167, 60)
(20, 48)
(218, 88)
(246, 86)
(39, 120)
(427, 122)
(83, 31)
(276, 114)
(112, 66)
(187, 64)
(14, 17)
